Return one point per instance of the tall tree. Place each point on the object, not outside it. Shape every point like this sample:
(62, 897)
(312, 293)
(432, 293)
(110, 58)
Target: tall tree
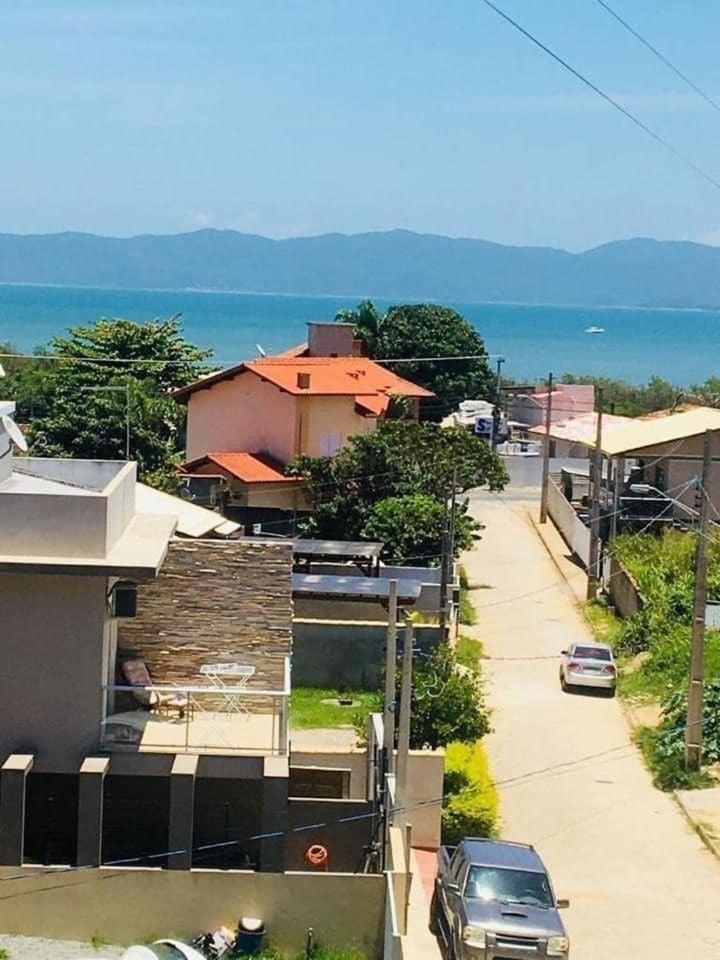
(400, 459)
(80, 420)
(367, 320)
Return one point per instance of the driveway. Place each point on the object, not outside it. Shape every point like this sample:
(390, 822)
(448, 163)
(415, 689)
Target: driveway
(641, 884)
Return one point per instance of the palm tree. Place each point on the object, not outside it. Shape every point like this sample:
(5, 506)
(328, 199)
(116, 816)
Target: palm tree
(367, 321)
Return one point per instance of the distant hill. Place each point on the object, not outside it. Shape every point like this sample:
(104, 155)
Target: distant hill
(396, 265)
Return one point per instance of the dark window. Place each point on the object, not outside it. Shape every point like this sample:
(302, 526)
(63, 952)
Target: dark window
(592, 653)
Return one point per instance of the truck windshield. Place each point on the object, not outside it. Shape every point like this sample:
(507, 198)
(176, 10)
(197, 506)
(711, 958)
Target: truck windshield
(511, 886)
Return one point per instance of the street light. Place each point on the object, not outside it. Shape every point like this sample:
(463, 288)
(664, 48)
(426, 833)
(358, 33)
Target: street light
(126, 388)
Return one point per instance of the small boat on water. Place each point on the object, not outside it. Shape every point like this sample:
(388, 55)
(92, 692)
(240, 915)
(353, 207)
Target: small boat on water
(595, 330)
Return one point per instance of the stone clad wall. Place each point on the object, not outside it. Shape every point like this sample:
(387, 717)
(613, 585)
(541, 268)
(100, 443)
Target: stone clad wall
(214, 601)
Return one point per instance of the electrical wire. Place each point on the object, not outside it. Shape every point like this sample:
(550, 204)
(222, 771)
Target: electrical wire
(608, 99)
(654, 50)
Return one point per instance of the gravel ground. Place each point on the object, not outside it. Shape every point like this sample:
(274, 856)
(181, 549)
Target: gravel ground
(38, 948)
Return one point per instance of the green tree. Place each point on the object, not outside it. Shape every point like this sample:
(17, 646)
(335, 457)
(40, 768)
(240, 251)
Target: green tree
(400, 459)
(411, 528)
(630, 399)
(367, 321)
(429, 330)
(447, 705)
(90, 423)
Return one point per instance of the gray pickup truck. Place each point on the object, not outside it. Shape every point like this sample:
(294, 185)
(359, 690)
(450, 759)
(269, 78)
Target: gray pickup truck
(494, 901)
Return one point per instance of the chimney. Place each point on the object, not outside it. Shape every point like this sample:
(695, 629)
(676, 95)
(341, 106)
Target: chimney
(303, 381)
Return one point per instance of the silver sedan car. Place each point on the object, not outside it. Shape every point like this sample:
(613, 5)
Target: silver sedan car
(588, 665)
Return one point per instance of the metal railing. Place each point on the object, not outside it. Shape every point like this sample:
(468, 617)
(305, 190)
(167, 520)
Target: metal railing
(191, 718)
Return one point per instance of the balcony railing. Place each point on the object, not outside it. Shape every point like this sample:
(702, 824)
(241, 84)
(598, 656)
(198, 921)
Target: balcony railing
(230, 718)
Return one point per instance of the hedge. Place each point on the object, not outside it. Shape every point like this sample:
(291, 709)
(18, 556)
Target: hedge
(471, 810)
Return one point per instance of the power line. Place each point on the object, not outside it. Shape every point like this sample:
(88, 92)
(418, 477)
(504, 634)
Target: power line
(608, 99)
(660, 56)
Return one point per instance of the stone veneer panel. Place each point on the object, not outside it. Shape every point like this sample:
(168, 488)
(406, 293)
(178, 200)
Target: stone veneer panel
(214, 601)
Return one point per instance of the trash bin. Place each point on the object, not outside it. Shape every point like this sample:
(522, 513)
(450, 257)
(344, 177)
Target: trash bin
(250, 936)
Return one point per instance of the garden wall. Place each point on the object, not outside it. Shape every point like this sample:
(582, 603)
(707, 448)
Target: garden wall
(623, 593)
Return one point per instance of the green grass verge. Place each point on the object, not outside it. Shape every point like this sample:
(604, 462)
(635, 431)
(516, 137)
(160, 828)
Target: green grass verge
(468, 652)
(308, 710)
(466, 611)
(472, 811)
(636, 685)
(669, 773)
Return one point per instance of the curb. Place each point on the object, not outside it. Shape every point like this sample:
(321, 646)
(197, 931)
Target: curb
(712, 844)
(536, 527)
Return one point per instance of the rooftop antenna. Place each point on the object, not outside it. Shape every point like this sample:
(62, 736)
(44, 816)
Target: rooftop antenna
(260, 350)
(14, 432)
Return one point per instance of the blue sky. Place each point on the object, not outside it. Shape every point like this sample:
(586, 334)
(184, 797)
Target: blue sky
(290, 117)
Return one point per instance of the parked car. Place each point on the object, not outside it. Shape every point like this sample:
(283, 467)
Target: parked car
(493, 900)
(588, 665)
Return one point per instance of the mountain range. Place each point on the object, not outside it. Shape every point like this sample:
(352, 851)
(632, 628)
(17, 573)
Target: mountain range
(396, 264)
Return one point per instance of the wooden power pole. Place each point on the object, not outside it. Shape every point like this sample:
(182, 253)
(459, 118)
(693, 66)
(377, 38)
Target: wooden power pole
(694, 728)
(595, 487)
(546, 453)
(403, 750)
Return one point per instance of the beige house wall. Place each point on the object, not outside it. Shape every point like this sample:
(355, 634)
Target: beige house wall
(326, 423)
(245, 413)
(55, 641)
(215, 600)
(133, 906)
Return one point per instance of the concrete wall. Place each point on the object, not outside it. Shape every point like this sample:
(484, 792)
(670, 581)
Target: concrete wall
(246, 413)
(527, 471)
(53, 651)
(331, 653)
(344, 842)
(132, 906)
(574, 532)
(227, 601)
(623, 592)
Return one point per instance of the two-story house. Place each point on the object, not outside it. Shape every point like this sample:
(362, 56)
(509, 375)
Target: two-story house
(244, 424)
(144, 676)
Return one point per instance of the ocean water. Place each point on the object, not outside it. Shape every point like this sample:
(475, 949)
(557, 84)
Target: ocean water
(680, 345)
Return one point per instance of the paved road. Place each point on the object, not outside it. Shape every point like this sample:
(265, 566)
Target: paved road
(641, 884)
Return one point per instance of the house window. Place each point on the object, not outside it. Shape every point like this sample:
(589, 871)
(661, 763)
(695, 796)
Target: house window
(330, 443)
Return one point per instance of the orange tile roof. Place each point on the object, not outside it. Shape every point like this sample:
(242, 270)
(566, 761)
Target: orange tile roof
(375, 405)
(248, 467)
(335, 376)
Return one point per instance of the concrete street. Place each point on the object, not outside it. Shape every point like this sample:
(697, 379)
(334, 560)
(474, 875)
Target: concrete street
(641, 884)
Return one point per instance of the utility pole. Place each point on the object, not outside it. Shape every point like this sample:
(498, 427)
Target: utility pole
(444, 549)
(401, 781)
(594, 558)
(390, 697)
(546, 453)
(496, 411)
(694, 728)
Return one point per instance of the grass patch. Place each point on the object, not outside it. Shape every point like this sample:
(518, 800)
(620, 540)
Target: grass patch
(472, 810)
(98, 943)
(308, 710)
(637, 685)
(466, 609)
(468, 652)
(604, 622)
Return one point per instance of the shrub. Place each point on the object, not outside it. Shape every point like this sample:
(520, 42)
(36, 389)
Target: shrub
(446, 705)
(472, 810)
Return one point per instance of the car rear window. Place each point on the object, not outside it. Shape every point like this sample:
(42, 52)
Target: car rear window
(591, 653)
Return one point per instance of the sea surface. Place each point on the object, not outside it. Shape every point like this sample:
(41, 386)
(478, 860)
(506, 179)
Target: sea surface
(681, 345)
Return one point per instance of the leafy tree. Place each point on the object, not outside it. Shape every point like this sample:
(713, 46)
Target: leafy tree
(411, 528)
(447, 705)
(368, 322)
(427, 330)
(81, 421)
(400, 459)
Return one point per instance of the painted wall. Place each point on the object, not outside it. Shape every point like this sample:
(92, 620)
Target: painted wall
(327, 653)
(574, 532)
(54, 640)
(326, 424)
(246, 413)
(131, 906)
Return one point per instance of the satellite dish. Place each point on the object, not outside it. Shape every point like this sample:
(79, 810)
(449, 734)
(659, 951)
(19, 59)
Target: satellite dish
(260, 350)
(14, 432)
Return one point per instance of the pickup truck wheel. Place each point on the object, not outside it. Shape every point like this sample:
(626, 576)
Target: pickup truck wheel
(434, 924)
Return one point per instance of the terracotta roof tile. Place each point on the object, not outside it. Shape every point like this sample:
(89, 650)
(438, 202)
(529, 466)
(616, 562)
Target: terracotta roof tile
(335, 376)
(244, 466)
